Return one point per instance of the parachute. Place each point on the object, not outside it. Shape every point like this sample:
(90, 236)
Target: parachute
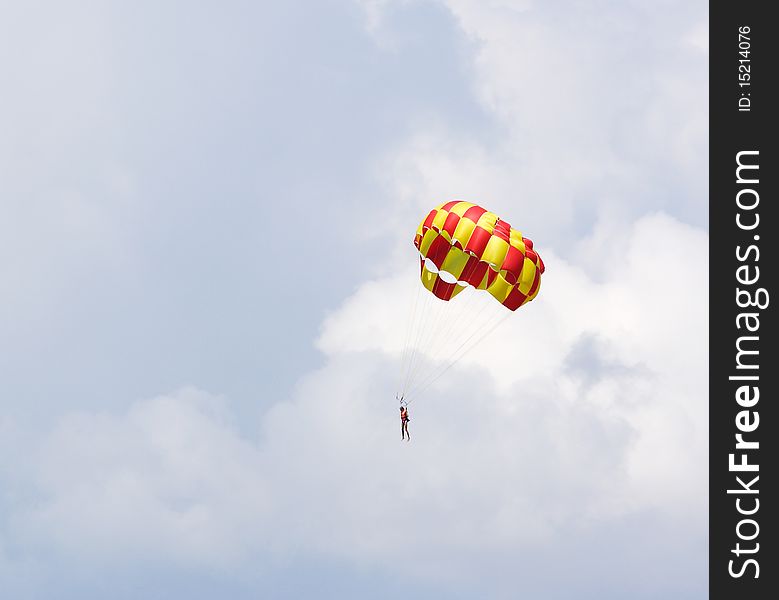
(464, 250)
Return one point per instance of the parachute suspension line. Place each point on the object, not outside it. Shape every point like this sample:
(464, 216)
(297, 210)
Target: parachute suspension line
(461, 351)
(461, 323)
(418, 321)
(464, 323)
(457, 312)
(477, 329)
(455, 327)
(475, 324)
(431, 316)
(463, 300)
(429, 382)
(412, 394)
(407, 338)
(440, 319)
(422, 324)
(450, 320)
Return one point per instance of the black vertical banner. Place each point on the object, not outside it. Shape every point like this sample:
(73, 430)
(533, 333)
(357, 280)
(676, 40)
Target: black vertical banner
(743, 367)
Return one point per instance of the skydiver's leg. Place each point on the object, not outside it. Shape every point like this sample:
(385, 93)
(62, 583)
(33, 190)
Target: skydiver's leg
(402, 430)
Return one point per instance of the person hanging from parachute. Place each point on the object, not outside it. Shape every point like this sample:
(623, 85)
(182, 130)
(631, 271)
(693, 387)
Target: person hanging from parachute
(462, 246)
(404, 419)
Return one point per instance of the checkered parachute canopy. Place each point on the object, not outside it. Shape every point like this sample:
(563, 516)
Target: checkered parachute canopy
(463, 244)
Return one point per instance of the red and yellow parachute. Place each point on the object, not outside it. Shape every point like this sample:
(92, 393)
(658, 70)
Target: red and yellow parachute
(476, 247)
(463, 249)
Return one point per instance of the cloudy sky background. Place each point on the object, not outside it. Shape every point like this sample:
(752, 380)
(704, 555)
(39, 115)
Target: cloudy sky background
(205, 267)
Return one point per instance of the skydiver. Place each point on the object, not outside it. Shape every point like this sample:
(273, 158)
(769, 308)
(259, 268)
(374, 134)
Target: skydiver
(404, 419)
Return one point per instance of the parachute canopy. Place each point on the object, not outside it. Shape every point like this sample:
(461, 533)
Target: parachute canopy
(463, 244)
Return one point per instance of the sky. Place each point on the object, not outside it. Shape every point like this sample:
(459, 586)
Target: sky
(206, 270)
